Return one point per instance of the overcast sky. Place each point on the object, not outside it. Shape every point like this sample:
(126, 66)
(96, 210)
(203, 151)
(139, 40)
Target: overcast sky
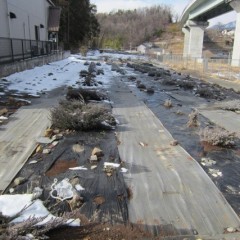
(177, 5)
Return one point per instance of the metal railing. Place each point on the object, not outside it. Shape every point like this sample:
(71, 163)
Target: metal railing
(12, 50)
(220, 67)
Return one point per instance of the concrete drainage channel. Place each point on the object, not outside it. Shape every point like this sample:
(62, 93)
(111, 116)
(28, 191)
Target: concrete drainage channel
(153, 183)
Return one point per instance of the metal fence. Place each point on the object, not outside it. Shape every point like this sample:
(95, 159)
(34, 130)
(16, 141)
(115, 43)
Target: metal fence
(18, 49)
(220, 68)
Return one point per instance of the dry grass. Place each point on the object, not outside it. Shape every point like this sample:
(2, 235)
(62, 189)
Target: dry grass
(193, 119)
(78, 116)
(168, 103)
(217, 137)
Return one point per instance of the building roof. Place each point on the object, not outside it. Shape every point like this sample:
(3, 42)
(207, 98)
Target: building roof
(54, 19)
(50, 2)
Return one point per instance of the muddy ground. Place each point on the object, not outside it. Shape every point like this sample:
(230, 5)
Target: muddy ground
(103, 202)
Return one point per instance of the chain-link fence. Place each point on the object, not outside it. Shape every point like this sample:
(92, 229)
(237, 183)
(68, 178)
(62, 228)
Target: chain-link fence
(221, 68)
(18, 49)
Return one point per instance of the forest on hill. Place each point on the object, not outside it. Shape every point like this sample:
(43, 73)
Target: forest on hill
(123, 29)
(127, 29)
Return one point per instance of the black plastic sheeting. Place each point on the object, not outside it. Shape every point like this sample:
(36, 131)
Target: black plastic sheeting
(113, 190)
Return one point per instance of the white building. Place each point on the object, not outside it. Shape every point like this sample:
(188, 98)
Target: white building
(27, 19)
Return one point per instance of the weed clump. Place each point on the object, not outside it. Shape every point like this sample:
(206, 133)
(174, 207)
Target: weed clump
(217, 137)
(193, 119)
(78, 116)
(168, 103)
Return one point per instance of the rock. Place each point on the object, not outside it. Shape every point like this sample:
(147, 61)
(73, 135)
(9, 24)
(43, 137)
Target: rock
(93, 159)
(44, 140)
(46, 151)
(39, 149)
(98, 152)
(141, 86)
(77, 148)
(11, 190)
(231, 229)
(76, 202)
(86, 63)
(57, 137)
(74, 181)
(174, 143)
(3, 111)
(48, 133)
(98, 64)
(56, 131)
(19, 180)
(150, 90)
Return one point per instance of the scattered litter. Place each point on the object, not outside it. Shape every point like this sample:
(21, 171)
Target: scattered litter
(77, 148)
(63, 189)
(114, 165)
(143, 144)
(37, 192)
(79, 187)
(78, 168)
(55, 143)
(3, 118)
(11, 205)
(97, 151)
(174, 143)
(23, 100)
(93, 167)
(207, 162)
(11, 190)
(33, 162)
(124, 170)
(48, 133)
(46, 151)
(215, 172)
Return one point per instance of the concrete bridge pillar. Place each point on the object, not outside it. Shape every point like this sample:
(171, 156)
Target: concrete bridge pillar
(236, 46)
(186, 32)
(193, 41)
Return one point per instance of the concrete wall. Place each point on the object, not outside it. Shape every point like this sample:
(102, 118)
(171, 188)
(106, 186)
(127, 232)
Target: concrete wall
(4, 26)
(8, 69)
(29, 13)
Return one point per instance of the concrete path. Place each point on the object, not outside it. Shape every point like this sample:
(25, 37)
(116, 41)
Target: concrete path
(225, 119)
(171, 192)
(18, 137)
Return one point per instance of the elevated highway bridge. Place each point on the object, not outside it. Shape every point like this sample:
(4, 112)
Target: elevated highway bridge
(195, 20)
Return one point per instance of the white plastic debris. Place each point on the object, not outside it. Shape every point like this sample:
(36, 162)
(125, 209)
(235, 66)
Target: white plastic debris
(3, 118)
(79, 187)
(114, 165)
(78, 168)
(124, 170)
(11, 205)
(62, 190)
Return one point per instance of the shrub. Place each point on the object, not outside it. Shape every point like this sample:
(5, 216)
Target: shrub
(193, 119)
(217, 136)
(75, 115)
(168, 103)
